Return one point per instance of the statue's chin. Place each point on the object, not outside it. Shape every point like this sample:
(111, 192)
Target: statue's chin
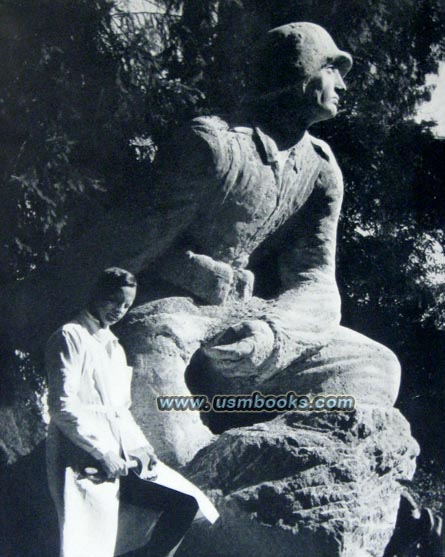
(327, 112)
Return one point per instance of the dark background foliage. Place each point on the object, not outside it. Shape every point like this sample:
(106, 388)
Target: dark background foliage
(88, 89)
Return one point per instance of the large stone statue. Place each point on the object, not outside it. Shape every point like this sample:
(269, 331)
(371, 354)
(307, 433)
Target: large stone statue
(235, 255)
(246, 300)
(263, 199)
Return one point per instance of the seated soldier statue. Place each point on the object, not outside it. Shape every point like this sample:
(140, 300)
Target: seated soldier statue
(250, 299)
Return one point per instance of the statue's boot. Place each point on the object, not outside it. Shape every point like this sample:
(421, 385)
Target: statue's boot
(417, 532)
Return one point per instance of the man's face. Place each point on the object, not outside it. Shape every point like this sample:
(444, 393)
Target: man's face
(322, 93)
(113, 309)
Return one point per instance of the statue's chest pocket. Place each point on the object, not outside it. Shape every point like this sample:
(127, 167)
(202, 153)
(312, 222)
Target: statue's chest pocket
(253, 197)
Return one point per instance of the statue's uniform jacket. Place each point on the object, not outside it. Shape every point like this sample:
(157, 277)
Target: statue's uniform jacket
(247, 200)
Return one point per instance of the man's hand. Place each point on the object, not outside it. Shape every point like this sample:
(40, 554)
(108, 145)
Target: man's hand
(114, 465)
(147, 460)
(241, 349)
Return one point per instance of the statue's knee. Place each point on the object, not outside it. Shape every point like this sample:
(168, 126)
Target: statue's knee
(175, 334)
(392, 372)
(164, 327)
(170, 335)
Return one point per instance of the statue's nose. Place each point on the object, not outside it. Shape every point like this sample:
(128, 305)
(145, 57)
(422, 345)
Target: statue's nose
(339, 83)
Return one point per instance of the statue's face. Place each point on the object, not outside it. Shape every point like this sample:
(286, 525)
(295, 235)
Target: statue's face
(113, 309)
(322, 93)
(300, 70)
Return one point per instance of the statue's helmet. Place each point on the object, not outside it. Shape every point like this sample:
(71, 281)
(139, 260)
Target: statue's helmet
(293, 52)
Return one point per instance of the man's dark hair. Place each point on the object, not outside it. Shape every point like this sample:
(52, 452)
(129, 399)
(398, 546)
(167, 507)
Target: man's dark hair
(111, 280)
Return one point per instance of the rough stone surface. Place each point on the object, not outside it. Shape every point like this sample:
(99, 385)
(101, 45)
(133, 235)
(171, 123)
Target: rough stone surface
(164, 338)
(324, 484)
(21, 428)
(159, 370)
(160, 339)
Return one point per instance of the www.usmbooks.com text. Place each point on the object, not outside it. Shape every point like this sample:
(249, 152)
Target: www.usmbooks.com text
(257, 402)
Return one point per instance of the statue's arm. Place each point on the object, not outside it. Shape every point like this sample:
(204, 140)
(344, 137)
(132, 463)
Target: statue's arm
(187, 174)
(181, 165)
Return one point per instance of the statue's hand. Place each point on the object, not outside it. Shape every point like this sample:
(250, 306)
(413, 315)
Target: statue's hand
(241, 349)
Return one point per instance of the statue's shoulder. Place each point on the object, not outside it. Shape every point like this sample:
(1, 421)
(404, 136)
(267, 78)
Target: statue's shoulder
(194, 146)
(206, 145)
(222, 126)
(329, 165)
(322, 149)
(207, 133)
(224, 138)
(211, 124)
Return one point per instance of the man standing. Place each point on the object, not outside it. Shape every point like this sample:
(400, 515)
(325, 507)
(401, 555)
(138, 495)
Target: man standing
(93, 437)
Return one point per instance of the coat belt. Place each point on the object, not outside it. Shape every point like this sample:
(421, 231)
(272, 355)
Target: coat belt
(110, 411)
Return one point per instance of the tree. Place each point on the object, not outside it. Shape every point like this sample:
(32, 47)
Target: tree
(89, 89)
(81, 80)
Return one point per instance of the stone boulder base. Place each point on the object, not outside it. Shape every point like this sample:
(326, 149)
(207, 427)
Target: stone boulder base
(21, 427)
(321, 484)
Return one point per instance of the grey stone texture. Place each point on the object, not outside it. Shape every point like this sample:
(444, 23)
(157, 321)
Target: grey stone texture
(246, 205)
(323, 484)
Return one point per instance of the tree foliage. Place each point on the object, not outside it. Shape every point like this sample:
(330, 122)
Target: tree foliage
(80, 80)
